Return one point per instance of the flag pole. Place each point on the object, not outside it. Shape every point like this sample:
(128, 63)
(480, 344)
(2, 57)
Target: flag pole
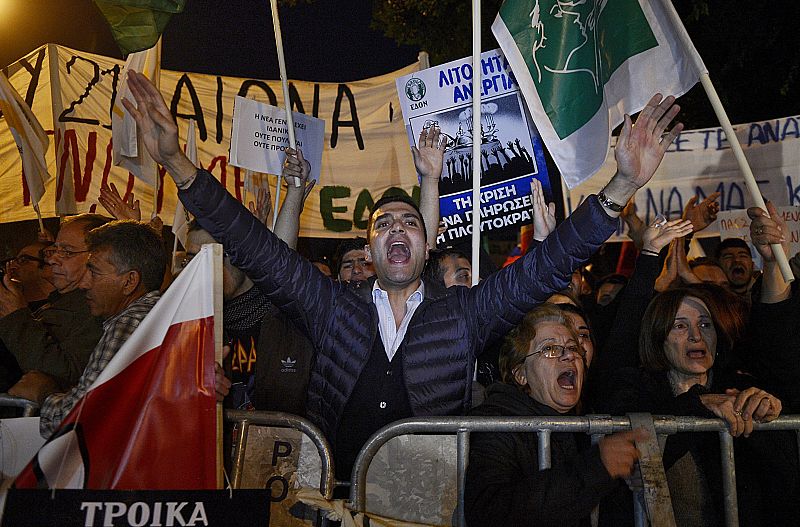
(477, 139)
(744, 166)
(38, 216)
(155, 195)
(287, 105)
(217, 259)
(733, 140)
(172, 265)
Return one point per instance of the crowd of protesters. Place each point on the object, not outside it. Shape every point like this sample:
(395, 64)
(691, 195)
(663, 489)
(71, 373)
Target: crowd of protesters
(393, 328)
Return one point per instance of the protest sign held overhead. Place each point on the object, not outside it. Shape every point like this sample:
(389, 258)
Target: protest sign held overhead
(511, 151)
(260, 136)
(128, 153)
(736, 224)
(581, 69)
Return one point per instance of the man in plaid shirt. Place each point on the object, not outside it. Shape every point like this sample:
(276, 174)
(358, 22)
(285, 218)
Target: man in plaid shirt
(124, 273)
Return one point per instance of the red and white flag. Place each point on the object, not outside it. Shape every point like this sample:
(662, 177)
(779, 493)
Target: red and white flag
(149, 420)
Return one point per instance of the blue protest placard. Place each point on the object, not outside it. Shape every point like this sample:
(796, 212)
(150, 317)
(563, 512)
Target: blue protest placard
(511, 150)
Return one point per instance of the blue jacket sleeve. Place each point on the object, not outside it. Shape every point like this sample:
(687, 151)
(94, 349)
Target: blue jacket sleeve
(290, 281)
(499, 302)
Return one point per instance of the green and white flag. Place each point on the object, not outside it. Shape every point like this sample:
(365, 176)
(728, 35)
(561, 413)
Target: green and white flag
(583, 64)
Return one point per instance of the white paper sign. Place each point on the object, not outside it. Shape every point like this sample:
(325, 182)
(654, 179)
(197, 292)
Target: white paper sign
(260, 136)
(736, 224)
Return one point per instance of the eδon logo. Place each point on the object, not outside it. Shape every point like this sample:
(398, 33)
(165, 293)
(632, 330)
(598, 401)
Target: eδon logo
(415, 89)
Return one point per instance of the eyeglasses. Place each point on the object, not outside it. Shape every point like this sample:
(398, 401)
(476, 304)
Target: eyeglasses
(61, 252)
(556, 351)
(25, 258)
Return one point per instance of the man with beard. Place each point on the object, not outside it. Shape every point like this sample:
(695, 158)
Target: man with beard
(394, 346)
(736, 260)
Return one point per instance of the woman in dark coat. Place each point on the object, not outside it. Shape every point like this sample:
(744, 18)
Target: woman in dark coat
(683, 373)
(543, 373)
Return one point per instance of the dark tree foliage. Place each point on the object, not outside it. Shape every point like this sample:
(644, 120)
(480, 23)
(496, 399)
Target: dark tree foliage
(749, 48)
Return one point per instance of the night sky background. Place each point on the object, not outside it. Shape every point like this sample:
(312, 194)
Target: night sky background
(325, 40)
(749, 47)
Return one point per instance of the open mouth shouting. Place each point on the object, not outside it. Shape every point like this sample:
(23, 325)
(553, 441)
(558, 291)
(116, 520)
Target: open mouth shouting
(696, 353)
(738, 272)
(567, 379)
(398, 253)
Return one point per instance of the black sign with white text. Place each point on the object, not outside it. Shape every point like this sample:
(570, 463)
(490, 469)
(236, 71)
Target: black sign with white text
(140, 508)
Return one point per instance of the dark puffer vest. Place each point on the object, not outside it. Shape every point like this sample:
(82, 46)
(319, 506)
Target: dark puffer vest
(448, 330)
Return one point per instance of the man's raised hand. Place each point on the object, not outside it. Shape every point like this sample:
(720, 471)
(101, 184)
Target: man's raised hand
(544, 214)
(121, 209)
(703, 214)
(429, 155)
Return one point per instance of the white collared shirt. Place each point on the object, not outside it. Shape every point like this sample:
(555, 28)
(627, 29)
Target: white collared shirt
(391, 335)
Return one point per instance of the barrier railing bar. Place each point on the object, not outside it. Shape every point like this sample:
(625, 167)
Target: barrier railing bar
(29, 408)
(731, 502)
(284, 420)
(580, 424)
(462, 450)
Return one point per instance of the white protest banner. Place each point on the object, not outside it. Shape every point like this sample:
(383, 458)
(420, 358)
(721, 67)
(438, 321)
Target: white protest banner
(701, 162)
(511, 151)
(365, 145)
(260, 136)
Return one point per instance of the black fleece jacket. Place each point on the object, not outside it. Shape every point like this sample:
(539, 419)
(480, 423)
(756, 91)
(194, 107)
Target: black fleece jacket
(504, 485)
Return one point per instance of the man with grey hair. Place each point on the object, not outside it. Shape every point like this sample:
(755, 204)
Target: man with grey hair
(124, 272)
(55, 340)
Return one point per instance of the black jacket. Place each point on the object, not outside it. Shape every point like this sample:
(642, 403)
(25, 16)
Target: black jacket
(504, 485)
(446, 332)
(767, 470)
(773, 347)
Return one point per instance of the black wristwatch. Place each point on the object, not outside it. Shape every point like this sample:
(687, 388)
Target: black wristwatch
(607, 202)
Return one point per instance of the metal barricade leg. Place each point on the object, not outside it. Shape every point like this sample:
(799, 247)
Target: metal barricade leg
(461, 463)
(544, 449)
(730, 500)
(656, 494)
(596, 511)
(639, 512)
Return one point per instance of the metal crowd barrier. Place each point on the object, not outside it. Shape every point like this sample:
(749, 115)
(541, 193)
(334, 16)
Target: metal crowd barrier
(245, 418)
(29, 408)
(594, 425)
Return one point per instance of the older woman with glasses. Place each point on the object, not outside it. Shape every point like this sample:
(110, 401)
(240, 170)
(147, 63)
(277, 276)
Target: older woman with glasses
(543, 374)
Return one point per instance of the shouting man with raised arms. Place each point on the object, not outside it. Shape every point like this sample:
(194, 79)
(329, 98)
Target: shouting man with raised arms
(395, 346)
